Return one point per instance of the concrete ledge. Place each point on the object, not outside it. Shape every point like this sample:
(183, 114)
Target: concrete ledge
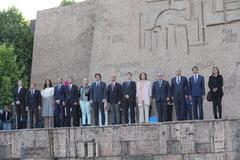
(186, 140)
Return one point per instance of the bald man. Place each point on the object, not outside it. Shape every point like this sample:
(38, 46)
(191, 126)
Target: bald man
(179, 90)
(114, 97)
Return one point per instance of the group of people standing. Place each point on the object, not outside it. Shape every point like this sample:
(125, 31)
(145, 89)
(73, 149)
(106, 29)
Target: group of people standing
(64, 104)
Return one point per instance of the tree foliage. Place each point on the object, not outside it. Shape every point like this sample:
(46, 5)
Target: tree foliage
(16, 44)
(9, 73)
(67, 2)
(15, 31)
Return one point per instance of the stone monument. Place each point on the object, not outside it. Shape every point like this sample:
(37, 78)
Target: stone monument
(118, 36)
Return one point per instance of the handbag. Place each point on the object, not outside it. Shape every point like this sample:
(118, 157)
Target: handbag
(209, 96)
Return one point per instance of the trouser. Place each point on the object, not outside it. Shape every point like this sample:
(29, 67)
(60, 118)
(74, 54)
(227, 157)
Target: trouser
(129, 104)
(169, 110)
(59, 115)
(162, 110)
(7, 126)
(143, 113)
(99, 106)
(115, 112)
(21, 116)
(217, 106)
(86, 116)
(67, 116)
(197, 107)
(180, 108)
(75, 114)
(34, 112)
(189, 113)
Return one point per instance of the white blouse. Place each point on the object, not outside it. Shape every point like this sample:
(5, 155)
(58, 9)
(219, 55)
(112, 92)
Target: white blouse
(47, 92)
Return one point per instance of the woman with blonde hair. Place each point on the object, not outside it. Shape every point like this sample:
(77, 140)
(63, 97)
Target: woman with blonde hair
(85, 102)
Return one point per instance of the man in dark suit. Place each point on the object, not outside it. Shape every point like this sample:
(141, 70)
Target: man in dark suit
(59, 111)
(34, 105)
(179, 90)
(129, 98)
(71, 103)
(197, 93)
(114, 97)
(20, 103)
(161, 93)
(98, 95)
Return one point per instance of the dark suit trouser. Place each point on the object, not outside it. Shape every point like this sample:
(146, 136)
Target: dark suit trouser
(34, 112)
(115, 110)
(197, 107)
(59, 115)
(162, 110)
(99, 106)
(217, 106)
(129, 103)
(169, 109)
(21, 116)
(180, 108)
(189, 113)
(67, 115)
(75, 115)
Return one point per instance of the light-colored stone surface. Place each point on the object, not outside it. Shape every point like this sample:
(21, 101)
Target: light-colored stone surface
(117, 36)
(199, 140)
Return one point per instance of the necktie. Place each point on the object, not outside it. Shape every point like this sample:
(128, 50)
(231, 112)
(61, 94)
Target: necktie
(178, 80)
(32, 92)
(112, 86)
(160, 83)
(128, 82)
(195, 79)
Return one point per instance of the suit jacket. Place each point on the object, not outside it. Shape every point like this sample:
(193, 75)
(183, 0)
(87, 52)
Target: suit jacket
(197, 89)
(144, 92)
(98, 93)
(5, 118)
(59, 93)
(114, 95)
(21, 96)
(71, 95)
(216, 82)
(161, 93)
(35, 99)
(180, 90)
(129, 90)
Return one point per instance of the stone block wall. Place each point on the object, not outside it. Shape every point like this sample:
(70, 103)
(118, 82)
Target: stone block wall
(190, 140)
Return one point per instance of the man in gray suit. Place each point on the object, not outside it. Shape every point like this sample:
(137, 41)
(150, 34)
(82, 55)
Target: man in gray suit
(98, 95)
(161, 93)
(179, 89)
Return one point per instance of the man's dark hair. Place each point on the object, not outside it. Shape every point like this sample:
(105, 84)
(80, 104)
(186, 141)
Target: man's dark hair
(70, 77)
(98, 74)
(194, 68)
(129, 73)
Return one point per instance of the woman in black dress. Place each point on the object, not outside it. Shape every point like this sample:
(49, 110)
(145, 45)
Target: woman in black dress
(215, 84)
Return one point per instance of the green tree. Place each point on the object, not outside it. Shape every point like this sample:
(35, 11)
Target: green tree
(9, 73)
(67, 2)
(16, 31)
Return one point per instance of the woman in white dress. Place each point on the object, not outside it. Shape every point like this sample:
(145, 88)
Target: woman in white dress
(143, 97)
(47, 103)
